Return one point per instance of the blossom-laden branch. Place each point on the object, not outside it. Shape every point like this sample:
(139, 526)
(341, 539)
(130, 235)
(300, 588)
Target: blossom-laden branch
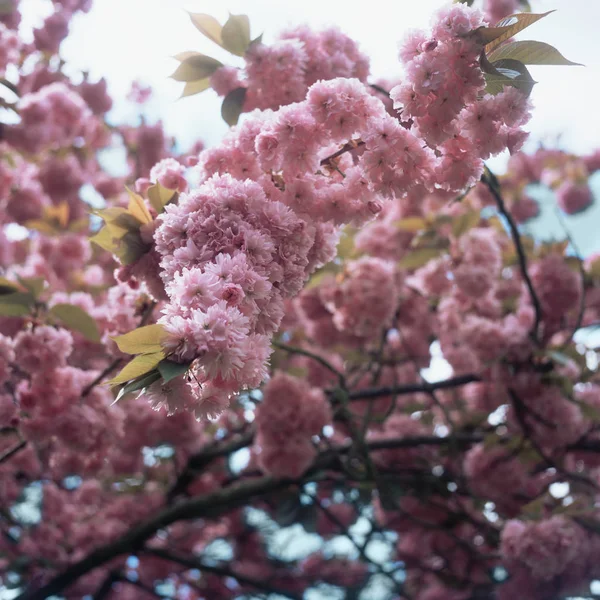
(492, 183)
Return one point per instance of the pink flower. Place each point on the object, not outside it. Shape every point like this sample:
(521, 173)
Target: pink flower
(573, 198)
(558, 287)
(547, 548)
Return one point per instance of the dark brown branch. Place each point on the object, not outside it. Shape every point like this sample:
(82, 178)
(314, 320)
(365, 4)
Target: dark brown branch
(202, 459)
(210, 505)
(379, 89)
(106, 586)
(216, 503)
(492, 183)
(316, 357)
(10, 86)
(221, 571)
(12, 451)
(413, 388)
(345, 148)
(113, 366)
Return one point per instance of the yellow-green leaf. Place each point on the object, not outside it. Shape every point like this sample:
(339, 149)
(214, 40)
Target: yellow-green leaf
(41, 226)
(236, 34)
(77, 319)
(104, 239)
(181, 56)
(125, 245)
(346, 248)
(464, 222)
(508, 72)
(143, 340)
(35, 285)
(419, 257)
(140, 383)
(197, 66)
(232, 106)
(412, 224)
(16, 304)
(192, 88)
(506, 28)
(160, 196)
(530, 52)
(59, 213)
(8, 287)
(137, 208)
(14, 310)
(208, 26)
(110, 215)
(138, 366)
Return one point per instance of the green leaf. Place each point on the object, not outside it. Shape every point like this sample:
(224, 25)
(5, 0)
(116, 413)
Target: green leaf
(137, 208)
(508, 72)
(412, 224)
(464, 222)
(16, 304)
(138, 366)
(77, 319)
(236, 34)
(192, 88)
(419, 257)
(143, 340)
(232, 106)
(197, 66)
(160, 196)
(14, 310)
(208, 26)
(8, 287)
(139, 383)
(35, 285)
(169, 369)
(506, 28)
(530, 52)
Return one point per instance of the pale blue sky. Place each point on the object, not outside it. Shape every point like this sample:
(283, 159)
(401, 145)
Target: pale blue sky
(129, 39)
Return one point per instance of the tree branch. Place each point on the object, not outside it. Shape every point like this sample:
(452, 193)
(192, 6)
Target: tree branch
(316, 357)
(412, 388)
(221, 571)
(202, 459)
(12, 451)
(491, 181)
(216, 503)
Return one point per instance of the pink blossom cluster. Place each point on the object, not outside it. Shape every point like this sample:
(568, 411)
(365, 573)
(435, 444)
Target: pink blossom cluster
(51, 118)
(280, 73)
(495, 10)
(546, 548)
(10, 47)
(290, 414)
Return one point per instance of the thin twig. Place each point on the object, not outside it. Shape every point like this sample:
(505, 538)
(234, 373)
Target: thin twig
(413, 388)
(221, 571)
(316, 357)
(12, 451)
(491, 181)
(345, 148)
